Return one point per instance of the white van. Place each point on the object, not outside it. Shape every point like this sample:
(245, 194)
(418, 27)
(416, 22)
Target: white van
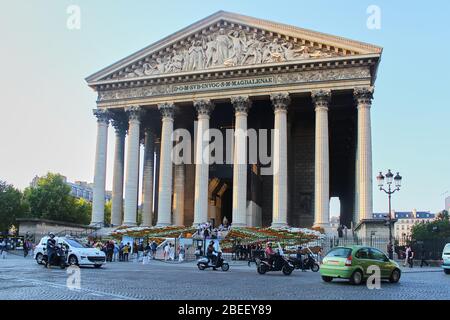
(77, 255)
(446, 258)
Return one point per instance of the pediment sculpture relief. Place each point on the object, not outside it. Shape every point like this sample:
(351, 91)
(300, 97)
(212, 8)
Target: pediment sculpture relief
(227, 48)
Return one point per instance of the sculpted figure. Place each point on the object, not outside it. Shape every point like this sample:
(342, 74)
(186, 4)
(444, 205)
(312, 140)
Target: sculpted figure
(196, 56)
(222, 47)
(275, 51)
(289, 52)
(253, 50)
(209, 45)
(238, 45)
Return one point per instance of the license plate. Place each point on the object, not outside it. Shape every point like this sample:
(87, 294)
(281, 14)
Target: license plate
(334, 262)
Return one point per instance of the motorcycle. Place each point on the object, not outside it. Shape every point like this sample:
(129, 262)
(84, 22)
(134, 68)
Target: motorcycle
(205, 263)
(280, 263)
(59, 258)
(308, 263)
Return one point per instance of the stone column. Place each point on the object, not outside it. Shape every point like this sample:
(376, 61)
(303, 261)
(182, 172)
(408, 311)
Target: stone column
(147, 178)
(241, 105)
(363, 97)
(204, 109)
(321, 99)
(280, 103)
(132, 169)
(120, 127)
(165, 165)
(98, 201)
(178, 195)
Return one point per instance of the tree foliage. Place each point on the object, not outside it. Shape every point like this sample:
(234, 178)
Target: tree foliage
(437, 229)
(51, 199)
(11, 205)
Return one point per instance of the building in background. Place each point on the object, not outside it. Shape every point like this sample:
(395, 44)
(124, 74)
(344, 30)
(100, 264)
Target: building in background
(406, 220)
(78, 189)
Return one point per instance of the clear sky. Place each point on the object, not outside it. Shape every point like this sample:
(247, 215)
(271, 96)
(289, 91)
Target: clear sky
(46, 121)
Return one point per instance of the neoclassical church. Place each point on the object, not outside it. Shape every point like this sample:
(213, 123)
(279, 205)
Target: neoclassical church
(311, 91)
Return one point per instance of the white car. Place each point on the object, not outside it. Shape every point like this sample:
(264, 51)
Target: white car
(77, 253)
(446, 258)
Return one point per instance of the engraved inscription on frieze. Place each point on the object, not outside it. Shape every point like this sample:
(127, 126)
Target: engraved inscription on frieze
(309, 76)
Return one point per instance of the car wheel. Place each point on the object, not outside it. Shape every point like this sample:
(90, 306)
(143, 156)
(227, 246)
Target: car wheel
(39, 258)
(315, 267)
(395, 276)
(447, 271)
(356, 278)
(225, 267)
(327, 279)
(97, 266)
(73, 261)
(262, 268)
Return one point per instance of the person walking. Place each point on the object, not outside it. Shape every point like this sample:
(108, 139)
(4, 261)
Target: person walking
(407, 252)
(121, 246)
(3, 249)
(116, 252)
(181, 253)
(423, 258)
(411, 258)
(172, 252)
(345, 232)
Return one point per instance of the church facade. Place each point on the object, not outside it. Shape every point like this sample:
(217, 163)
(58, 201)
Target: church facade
(305, 95)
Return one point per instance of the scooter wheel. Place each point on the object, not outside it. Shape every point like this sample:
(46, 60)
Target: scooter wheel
(287, 270)
(262, 269)
(225, 267)
(201, 266)
(315, 267)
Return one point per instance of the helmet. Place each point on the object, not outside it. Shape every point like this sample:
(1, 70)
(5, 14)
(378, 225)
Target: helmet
(211, 242)
(269, 244)
(51, 234)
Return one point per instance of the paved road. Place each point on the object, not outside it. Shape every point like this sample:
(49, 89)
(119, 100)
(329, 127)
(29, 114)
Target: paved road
(24, 279)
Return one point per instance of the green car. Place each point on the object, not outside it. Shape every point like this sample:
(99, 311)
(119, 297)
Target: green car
(352, 263)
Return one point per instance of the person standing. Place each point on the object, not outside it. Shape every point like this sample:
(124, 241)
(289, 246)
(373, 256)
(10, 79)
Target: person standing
(126, 251)
(171, 252)
(390, 250)
(154, 248)
(181, 253)
(116, 252)
(345, 232)
(166, 252)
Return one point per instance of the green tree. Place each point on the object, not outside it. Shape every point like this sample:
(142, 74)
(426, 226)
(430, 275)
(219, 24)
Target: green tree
(439, 228)
(107, 219)
(11, 205)
(51, 199)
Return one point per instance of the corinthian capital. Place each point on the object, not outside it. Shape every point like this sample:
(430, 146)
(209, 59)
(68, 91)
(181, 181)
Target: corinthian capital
(102, 115)
(363, 95)
(120, 124)
(280, 101)
(241, 104)
(204, 107)
(167, 109)
(134, 113)
(321, 98)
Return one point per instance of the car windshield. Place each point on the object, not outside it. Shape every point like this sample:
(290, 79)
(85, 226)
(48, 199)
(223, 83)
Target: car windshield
(74, 243)
(340, 252)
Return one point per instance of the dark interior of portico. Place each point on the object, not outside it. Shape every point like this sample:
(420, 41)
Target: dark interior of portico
(301, 145)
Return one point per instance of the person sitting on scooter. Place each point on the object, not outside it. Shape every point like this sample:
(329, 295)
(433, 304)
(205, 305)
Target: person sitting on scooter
(51, 248)
(210, 252)
(299, 257)
(269, 253)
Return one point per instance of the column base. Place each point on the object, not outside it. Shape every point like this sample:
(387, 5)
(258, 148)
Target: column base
(239, 225)
(129, 224)
(279, 225)
(99, 224)
(163, 224)
(325, 226)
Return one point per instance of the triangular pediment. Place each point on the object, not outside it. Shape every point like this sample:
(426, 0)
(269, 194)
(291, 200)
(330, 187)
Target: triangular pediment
(228, 40)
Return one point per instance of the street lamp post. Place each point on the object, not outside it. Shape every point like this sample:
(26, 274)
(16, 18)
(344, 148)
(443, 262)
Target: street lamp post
(397, 183)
